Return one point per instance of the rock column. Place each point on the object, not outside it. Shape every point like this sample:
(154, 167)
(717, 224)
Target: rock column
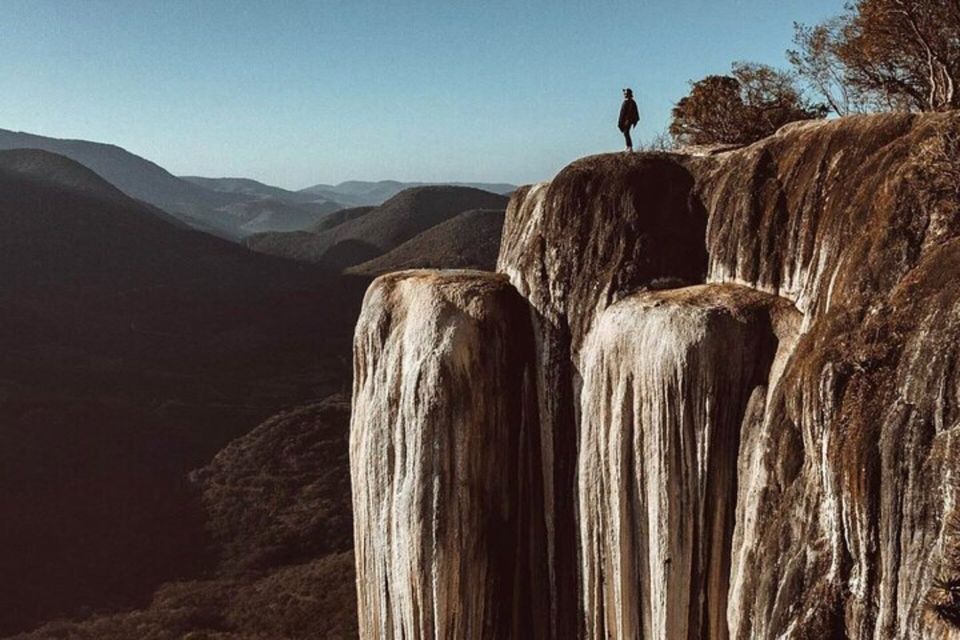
(667, 377)
(444, 450)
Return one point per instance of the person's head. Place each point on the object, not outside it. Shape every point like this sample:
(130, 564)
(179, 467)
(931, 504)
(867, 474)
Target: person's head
(628, 93)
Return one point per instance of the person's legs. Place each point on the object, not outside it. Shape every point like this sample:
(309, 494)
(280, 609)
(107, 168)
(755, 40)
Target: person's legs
(626, 137)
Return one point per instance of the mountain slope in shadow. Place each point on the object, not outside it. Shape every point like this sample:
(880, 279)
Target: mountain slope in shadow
(131, 352)
(375, 232)
(471, 240)
(132, 174)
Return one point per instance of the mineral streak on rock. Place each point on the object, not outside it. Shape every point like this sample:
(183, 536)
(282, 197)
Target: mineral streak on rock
(843, 433)
(667, 377)
(847, 469)
(813, 214)
(603, 227)
(522, 251)
(444, 444)
(523, 247)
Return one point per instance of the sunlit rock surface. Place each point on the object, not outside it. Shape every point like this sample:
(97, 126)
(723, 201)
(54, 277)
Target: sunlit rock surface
(846, 484)
(817, 496)
(667, 377)
(443, 447)
(603, 227)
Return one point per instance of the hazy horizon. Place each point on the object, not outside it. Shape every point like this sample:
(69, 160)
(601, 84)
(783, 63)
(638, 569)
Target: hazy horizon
(325, 92)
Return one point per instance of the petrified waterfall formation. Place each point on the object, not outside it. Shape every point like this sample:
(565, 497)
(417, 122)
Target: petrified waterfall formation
(667, 377)
(443, 430)
(720, 399)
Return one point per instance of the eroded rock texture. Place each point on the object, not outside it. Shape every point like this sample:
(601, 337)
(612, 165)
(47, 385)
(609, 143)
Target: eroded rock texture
(846, 489)
(769, 453)
(604, 226)
(443, 460)
(846, 475)
(667, 377)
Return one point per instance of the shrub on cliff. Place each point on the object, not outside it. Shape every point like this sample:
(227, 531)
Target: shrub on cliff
(933, 173)
(750, 104)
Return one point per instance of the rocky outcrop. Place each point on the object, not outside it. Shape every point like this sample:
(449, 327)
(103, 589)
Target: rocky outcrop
(772, 453)
(443, 451)
(836, 524)
(604, 226)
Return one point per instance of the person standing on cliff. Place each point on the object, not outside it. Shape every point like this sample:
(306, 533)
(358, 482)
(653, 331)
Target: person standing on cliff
(629, 117)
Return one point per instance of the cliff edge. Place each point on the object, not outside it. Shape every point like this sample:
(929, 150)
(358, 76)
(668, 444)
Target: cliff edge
(740, 395)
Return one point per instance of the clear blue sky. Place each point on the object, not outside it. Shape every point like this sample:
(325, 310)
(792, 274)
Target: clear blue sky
(295, 93)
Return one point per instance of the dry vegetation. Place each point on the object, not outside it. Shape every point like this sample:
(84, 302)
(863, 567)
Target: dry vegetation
(277, 507)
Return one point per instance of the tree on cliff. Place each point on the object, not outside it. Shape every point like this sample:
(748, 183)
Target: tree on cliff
(884, 54)
(817, 62)
(750, 104)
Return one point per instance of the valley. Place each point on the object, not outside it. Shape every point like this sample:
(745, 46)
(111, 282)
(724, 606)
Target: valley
(138, 356)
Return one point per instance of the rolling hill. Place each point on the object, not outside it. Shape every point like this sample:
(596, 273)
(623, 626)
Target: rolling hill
(271, 214)
(379, 230)
(338, 217)
(365, 193)
(471, 240)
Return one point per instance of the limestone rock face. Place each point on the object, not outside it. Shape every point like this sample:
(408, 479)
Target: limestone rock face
(667, 378)
(743, 375)
(603, 227)
(443, 443)
(817, 213)
(846, 514)
(846, 490)
(841, 219)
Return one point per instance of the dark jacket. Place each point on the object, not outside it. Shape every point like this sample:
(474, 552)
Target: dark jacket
(629, 114)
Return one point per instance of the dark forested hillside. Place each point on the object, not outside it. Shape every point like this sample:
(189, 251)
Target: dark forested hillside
(368, 234)
(131, 352)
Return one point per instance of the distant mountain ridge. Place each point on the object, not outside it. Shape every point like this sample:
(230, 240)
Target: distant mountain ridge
(230, 208)
(352, 193)
(135, 176)
(249, 187)
(224, 211)
(365, 193)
